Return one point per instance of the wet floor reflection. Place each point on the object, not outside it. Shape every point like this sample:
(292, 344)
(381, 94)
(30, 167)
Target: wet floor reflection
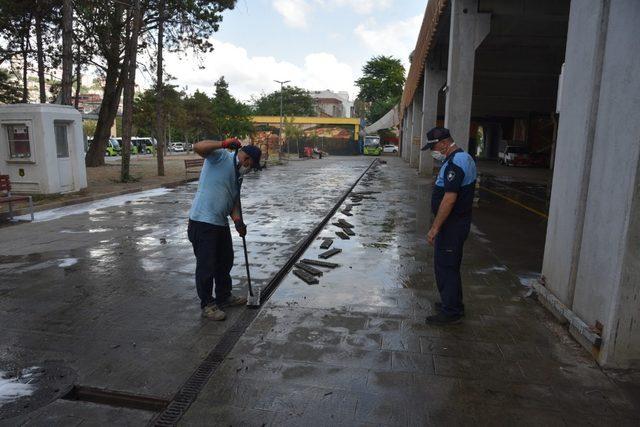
(105, 276)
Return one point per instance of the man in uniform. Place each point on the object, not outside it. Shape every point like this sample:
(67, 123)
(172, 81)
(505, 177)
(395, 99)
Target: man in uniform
(451, 203)
(217, 198)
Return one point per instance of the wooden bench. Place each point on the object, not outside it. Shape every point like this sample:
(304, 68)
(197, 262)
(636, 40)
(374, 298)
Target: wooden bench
(5, 187)
(193, 166)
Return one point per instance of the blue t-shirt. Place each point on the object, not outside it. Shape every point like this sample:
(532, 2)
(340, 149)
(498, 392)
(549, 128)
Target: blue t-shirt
(218, 189)
(457, 175)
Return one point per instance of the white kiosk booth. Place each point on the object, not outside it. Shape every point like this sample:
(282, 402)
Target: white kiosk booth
(41, 148)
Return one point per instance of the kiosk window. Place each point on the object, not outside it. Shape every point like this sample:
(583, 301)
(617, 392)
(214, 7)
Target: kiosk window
(62, 143)
(19, 143)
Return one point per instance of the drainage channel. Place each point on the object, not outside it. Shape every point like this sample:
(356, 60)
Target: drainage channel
(116, 398)
(177, 407)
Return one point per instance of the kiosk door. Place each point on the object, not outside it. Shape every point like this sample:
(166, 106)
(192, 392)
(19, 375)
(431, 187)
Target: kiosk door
(65, 168)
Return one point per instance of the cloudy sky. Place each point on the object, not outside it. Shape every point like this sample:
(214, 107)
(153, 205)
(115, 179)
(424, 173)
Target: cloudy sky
(317, 44)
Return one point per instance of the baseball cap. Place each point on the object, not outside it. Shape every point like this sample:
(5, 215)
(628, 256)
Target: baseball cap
(434, 136)
(255, 154)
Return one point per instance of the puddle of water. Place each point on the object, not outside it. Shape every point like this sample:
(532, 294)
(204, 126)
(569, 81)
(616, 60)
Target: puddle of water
(13, 388)
(494, 268)
(90, 207)
(91, 230)
(67, 262)
(527, 279)
(479, 234)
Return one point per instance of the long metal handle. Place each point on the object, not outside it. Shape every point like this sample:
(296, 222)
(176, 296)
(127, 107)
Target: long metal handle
(244, 241)
(246, 262)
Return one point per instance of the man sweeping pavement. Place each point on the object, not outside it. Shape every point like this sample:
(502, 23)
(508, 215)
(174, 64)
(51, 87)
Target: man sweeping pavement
(217, 198)
(451, 203)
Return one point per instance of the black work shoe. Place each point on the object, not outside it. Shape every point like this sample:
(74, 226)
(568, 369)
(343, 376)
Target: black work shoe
(439, 307)
(443, 319)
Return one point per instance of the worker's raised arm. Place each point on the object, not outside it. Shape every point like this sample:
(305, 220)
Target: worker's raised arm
(205, 147)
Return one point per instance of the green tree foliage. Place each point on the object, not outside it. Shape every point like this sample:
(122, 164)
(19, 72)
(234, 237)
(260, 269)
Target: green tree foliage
(230, 116)
(194, 117)
(199, 123)
(296, 102)
(380, 86)
(10, 92)
(144, 112)
(106, 26)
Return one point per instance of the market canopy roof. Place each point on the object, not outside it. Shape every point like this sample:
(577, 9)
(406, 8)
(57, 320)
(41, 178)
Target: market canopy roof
(389, 120)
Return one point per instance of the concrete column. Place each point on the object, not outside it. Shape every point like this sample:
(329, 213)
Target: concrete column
(580, 91)
(607, 288)
(468, 29)
(416, 129)
(592, 253)
(433, 82)
(406, 138)
(402, 131)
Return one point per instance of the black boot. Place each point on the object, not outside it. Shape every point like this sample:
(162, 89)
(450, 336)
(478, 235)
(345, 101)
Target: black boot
(443, 319)
(438, 306)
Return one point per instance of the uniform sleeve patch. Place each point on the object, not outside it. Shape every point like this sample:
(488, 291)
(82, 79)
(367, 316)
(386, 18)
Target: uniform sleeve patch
(451, 175)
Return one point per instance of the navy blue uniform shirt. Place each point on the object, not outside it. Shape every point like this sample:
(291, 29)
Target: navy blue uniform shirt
(457, 175)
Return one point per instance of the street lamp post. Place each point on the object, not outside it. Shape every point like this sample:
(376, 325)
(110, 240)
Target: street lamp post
(281, 118)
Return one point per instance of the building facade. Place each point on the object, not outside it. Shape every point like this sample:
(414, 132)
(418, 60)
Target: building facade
(333, 104)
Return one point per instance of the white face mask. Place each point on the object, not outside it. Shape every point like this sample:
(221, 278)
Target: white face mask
(242, 170)
(438, 156)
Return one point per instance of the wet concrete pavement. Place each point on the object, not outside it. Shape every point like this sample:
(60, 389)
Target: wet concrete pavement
(109, 290)
(110, 293)
(354, 349)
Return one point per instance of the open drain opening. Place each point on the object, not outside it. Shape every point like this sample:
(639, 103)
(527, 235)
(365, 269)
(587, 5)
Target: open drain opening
(116, 398)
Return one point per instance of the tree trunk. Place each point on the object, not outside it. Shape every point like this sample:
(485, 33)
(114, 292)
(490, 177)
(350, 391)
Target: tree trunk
(67, 58)
(160, 92)
(107, 115)
(129, 88)
(25, 66)
(76, 101)
(115, 76)
(40, 57)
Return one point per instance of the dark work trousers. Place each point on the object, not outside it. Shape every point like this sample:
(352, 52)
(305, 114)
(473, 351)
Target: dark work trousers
(214, 260)
(447, 259)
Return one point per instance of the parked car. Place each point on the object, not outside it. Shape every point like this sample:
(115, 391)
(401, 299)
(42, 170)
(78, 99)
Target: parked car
(177, 147)
(514, 155)
(390, 148)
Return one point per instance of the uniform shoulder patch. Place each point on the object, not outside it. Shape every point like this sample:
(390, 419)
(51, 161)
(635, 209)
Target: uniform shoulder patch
(451, 175)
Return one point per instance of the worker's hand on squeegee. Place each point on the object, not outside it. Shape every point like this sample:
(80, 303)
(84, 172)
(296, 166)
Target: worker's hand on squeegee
(231, 143)
(241, 228)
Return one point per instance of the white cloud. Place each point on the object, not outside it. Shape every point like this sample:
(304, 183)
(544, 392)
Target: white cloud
(294, 12)
(396, 38)
(251, 75)
(364, 7)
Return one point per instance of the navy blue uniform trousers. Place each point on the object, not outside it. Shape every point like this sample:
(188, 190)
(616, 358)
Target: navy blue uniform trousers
(448, 247)
(213, 248)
